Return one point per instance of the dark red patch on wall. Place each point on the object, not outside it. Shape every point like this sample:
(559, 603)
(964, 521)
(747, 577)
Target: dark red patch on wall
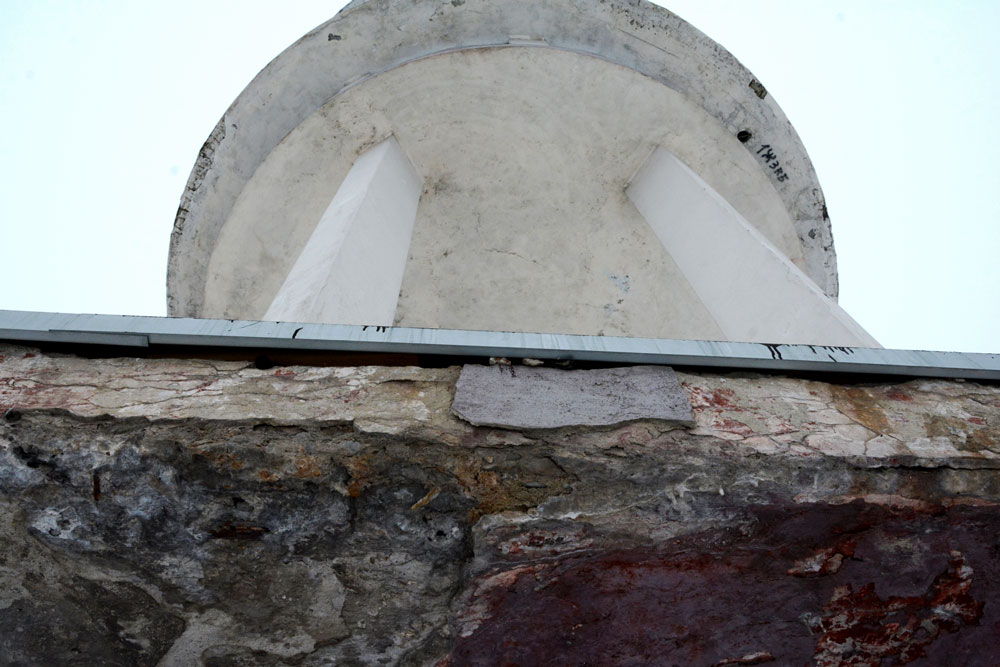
(908, 586)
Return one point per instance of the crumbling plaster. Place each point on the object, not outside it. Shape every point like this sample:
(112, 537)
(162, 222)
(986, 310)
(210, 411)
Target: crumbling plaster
(930, 421)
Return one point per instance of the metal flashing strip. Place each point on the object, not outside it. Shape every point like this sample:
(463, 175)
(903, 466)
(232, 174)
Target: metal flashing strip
(142, 331)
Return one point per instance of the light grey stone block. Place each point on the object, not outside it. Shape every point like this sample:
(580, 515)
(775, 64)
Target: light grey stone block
(522, 397)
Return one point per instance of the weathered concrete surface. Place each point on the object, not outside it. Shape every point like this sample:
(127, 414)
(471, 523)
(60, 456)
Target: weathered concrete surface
(522, 222)
(187, 512)
(374, 40)
(525, 398)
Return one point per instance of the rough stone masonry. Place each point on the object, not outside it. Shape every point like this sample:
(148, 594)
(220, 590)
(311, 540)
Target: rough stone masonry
(186, 512)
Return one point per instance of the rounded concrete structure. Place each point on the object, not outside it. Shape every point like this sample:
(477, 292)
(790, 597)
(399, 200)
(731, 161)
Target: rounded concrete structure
(523, 126)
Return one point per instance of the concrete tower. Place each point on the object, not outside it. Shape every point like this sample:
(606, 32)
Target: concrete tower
(551, 166)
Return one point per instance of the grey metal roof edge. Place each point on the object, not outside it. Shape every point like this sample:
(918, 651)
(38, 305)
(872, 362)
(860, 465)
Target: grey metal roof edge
(143, 331)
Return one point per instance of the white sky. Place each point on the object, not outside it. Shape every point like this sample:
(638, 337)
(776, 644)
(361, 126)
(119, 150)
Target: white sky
(105, 105)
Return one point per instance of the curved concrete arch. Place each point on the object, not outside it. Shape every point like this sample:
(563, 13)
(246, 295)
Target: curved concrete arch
(369, 38)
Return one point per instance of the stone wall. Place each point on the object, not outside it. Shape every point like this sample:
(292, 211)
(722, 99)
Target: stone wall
(182, 512)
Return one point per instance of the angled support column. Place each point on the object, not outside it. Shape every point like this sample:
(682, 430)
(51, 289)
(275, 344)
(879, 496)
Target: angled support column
(751, 289)
(351, 269)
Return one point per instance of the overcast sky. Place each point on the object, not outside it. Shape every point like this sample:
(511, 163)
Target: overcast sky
(104, 106)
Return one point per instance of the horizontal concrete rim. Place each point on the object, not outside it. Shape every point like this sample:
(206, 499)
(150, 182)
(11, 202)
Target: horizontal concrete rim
(373, 36)
(141, 331)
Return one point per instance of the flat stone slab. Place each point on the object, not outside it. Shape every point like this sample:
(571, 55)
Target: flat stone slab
(523, 397)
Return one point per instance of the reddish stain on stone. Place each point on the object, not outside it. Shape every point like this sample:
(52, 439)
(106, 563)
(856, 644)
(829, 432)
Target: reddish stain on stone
(284, 373)
(782, 429)
(898, 395)
(360, 467)
(733, 426)
(861, 629)
(623, 608)
(722, 596)
(222, 459)
(307, 466)
(718, 398)
(979, 421)
(723, 398)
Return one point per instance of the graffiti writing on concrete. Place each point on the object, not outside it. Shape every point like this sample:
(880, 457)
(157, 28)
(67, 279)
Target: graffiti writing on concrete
(766, 154)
